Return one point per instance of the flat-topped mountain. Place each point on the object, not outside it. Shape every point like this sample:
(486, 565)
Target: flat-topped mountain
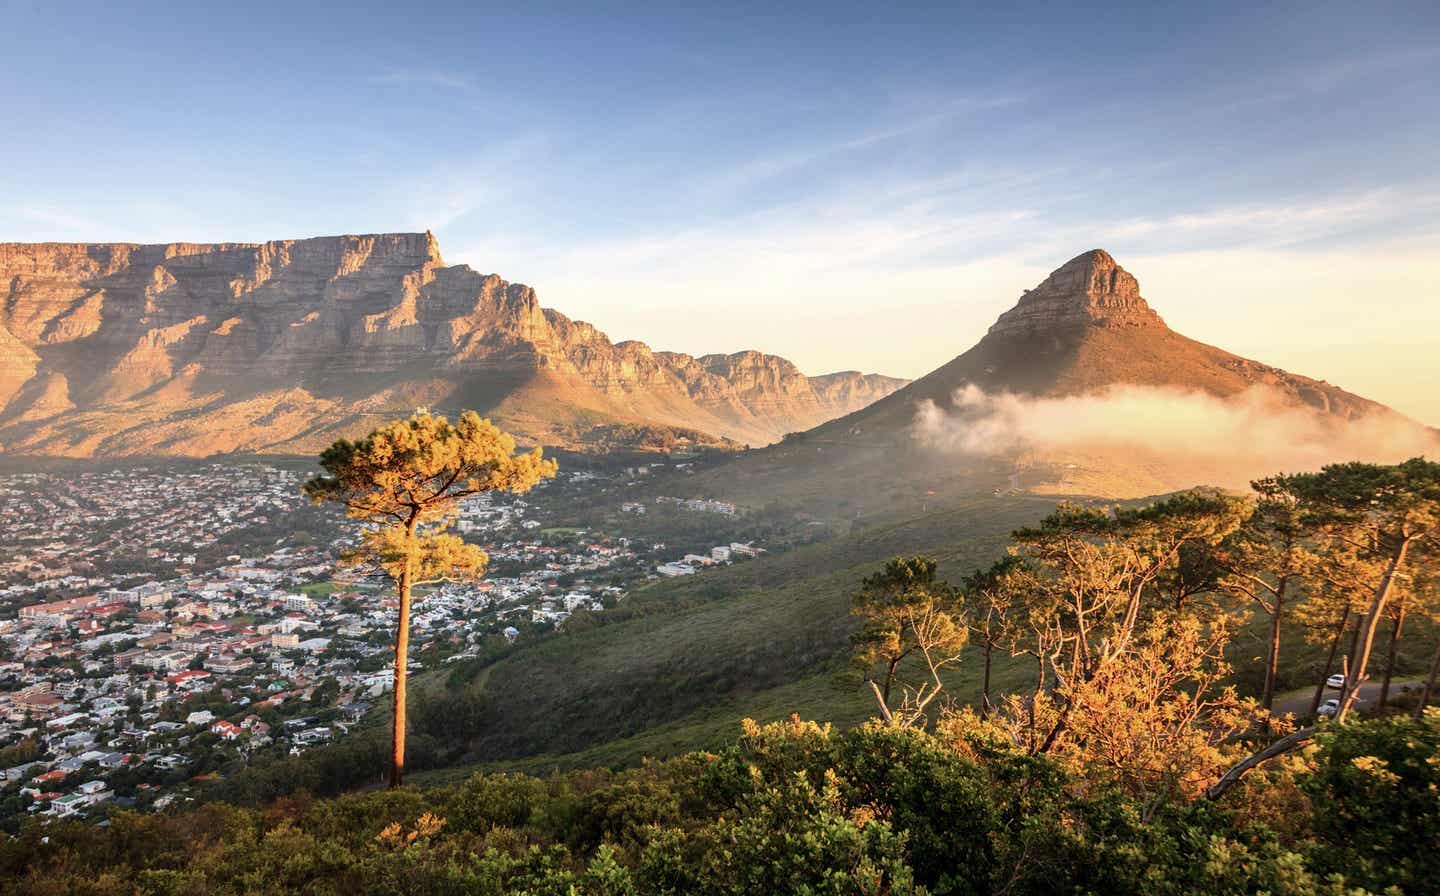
(190, 349)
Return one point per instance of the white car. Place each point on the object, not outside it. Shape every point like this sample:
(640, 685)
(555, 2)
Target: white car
(1329, 707)
(1335, 681)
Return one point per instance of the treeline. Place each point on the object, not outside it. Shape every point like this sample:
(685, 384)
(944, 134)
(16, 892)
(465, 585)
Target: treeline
(1126, 617)
(798, 808)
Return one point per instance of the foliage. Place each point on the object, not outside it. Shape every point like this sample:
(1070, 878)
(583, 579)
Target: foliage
(1375, 524)
(1376, 794)
(1129, 656)
(1084, 779)
(791, 807)
(907, 611)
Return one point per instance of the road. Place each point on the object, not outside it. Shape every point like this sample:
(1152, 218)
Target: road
(1298, 701)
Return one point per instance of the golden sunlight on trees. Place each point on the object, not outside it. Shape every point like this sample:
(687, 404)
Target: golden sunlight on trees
(1374, 525)
(907, 611)
(406, 482)
(990, 598)
(1264, 562)
(1125, 616)
(1129, 656)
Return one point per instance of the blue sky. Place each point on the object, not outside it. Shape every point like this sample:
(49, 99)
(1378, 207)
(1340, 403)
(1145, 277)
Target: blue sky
(849, 186)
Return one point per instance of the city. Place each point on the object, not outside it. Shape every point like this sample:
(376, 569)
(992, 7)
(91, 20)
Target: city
(164, 625)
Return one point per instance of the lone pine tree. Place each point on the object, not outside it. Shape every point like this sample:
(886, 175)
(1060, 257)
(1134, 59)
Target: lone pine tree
(406, 481)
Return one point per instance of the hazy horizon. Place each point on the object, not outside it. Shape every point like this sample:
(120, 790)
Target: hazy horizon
(846, 191)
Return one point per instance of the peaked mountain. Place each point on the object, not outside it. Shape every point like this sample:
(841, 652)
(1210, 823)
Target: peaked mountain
(189, 349)
(1086, 328)
(1081, 388)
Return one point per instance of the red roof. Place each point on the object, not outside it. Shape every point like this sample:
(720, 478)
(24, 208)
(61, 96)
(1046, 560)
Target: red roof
(187, 675)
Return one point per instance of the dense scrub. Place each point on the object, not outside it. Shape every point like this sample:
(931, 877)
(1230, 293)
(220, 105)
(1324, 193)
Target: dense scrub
(797, 808)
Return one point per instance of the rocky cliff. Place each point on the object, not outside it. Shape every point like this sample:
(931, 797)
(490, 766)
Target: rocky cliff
(1090, 290)
(192, 349)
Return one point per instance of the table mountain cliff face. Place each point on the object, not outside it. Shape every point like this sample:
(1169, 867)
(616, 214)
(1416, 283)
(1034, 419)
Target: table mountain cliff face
(188, 349)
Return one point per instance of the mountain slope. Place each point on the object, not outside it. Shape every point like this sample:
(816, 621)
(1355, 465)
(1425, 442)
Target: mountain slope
(1085, 328)
(1080, 388)
(191, 349)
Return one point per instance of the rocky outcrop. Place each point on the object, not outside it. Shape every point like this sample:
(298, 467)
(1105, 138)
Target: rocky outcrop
(124, 348)
(1090, 290)
(853, 388)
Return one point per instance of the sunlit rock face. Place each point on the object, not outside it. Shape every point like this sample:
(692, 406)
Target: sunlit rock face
(194, 349)
(1090, 290)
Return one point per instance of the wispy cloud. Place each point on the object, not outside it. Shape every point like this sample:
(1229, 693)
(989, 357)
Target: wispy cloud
(814, 152)
(1293, 82)
(445, 193)
(1231, 440)
(1284, 223)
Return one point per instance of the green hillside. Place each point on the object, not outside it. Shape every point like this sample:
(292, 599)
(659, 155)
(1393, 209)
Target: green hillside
(762, 638)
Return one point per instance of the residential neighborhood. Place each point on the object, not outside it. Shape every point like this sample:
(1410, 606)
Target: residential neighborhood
(162, 625)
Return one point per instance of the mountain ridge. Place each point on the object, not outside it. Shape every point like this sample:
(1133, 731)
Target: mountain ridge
(129, 348)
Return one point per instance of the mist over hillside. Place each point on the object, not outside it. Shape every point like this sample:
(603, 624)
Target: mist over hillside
(1080, 389)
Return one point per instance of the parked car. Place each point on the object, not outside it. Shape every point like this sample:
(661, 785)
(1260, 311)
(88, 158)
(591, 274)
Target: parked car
(1329, 707)
(1335, 681)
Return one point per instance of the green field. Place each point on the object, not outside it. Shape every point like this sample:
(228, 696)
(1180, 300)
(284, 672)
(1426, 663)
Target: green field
(319, 590)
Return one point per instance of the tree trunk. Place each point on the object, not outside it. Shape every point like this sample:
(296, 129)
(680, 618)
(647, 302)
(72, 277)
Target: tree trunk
(1356, 676)
(1329, 660)
(879, 699)
(1390, 652)
(985, 684)
(1429, 686)
(1272, 658)
(1348, 661)
(402, 663)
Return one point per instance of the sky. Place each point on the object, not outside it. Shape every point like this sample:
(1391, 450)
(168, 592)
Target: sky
(849, 186)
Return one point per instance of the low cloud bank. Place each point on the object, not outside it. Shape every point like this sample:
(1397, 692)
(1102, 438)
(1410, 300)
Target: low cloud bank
(1251, 434)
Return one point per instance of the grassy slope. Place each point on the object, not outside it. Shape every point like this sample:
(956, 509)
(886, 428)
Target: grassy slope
(763, 638)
